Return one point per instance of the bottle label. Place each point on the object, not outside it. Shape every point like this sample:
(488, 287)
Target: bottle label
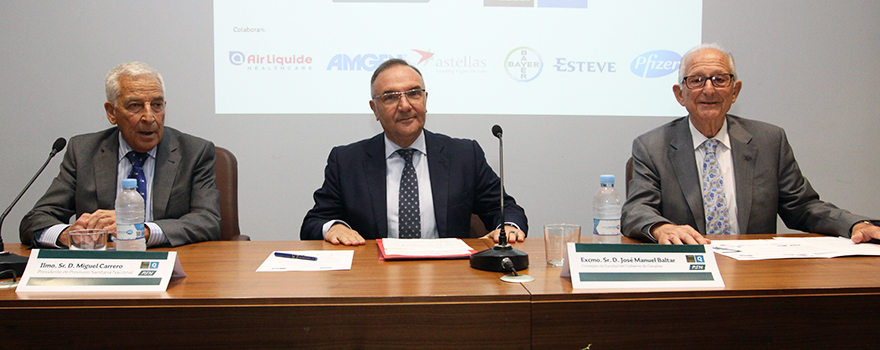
(606, 227)
(127, 232)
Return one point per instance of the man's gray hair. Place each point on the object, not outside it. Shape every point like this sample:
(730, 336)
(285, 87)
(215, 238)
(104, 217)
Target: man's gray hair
(388, 64)
(716, 46)
(129, 69)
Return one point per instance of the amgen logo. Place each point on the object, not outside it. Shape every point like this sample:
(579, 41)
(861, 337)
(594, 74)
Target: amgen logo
(655, 64)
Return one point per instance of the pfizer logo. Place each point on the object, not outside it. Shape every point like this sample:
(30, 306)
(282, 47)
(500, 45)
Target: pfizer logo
(655, 64)
(236, 58)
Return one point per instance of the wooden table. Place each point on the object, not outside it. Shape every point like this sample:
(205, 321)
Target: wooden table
(225, 304)
(766, 304)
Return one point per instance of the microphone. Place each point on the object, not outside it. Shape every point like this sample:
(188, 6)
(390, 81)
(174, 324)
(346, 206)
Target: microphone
(496, 130)
(502, 257)
(11, 261)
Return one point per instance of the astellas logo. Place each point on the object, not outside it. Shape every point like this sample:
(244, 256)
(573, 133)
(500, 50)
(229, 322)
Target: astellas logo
(368, 62)
(655, 64)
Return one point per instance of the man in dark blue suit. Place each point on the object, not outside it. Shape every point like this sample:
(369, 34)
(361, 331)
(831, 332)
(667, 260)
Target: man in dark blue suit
(407, 182)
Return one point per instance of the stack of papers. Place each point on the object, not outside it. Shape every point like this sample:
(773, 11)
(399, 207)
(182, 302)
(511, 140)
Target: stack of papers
(793, 247)
(443, 248)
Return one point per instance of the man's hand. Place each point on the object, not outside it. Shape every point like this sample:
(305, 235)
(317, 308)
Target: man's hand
(102, 220)
(864, 232)
(667, 233)
(81, 223)
(513, 234)
(341, 234)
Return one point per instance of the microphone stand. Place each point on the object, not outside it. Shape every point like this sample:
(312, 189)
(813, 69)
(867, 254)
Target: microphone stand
(8, 261)
(502, 257)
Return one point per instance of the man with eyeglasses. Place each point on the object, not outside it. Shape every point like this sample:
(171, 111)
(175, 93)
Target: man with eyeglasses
(175, 172)
(715, 173)
(407, 182)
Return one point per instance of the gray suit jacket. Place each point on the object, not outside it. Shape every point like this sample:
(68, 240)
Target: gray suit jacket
(666, 184)
(186, 202)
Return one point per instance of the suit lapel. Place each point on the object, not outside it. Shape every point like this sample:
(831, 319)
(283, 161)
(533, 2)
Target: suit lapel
(374, 170)
(744, 155)
(167, 162)
(438, 167)
(681, 153)
(106, 166)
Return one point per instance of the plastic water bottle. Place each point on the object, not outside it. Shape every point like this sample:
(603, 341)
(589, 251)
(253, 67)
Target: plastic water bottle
(130, 218)
(606, 212)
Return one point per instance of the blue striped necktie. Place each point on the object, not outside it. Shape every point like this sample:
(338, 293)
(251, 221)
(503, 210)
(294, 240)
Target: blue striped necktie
(137, 160)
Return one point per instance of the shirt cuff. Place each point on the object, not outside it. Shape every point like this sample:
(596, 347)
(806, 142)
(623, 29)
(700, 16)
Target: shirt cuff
(157, 237)
(48, 237)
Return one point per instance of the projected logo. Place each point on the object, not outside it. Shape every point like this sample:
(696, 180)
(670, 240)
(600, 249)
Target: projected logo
(236, 58)
(464, 64)
(655, 64)
(569, 66)
(425, 55)
(523, 64)
(368, 62)
(270, 62)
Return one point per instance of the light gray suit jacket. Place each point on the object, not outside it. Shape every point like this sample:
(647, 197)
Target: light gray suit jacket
(186, 202)
(666, 184)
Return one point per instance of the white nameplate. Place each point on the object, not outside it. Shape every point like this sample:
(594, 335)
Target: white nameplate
(99, 271)
(601, 266)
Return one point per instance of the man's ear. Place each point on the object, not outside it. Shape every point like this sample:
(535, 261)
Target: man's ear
(111, 112)
(373, 107)
(676, 89)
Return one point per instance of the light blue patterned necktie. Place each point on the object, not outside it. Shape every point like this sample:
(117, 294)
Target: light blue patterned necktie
(717, 221)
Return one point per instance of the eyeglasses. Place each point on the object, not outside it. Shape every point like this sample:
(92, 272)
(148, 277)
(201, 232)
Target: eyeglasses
(697, 81)
(392, 98)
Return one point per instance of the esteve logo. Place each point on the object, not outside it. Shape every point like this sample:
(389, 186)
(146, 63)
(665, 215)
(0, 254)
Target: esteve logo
(523, 64)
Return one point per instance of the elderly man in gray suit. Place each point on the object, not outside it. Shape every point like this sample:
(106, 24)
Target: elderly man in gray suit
(714, 173)
(182, 201)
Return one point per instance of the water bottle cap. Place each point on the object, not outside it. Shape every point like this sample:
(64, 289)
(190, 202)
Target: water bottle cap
(129, 183)
(606, 179)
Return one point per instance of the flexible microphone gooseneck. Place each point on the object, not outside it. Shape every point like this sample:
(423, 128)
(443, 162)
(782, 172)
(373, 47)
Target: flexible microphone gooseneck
(496, 130)
(11, 261)
(502, 257)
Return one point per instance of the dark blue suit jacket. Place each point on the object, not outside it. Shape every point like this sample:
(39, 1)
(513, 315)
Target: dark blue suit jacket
(461, 181)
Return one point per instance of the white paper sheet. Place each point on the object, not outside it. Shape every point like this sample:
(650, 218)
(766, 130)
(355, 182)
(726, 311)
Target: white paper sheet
(327, 260)
(793, 248)
(426, 248)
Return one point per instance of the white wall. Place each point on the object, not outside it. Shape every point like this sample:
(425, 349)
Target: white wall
(808, 66)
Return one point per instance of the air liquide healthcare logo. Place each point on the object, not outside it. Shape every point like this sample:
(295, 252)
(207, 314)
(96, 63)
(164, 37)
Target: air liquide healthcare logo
(523, 64)
(368, 61)
(270, 62)
(655, 64)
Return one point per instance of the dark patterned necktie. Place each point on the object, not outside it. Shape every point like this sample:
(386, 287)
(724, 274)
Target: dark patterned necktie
(137, 160)
(410, 222)
(717, 221)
